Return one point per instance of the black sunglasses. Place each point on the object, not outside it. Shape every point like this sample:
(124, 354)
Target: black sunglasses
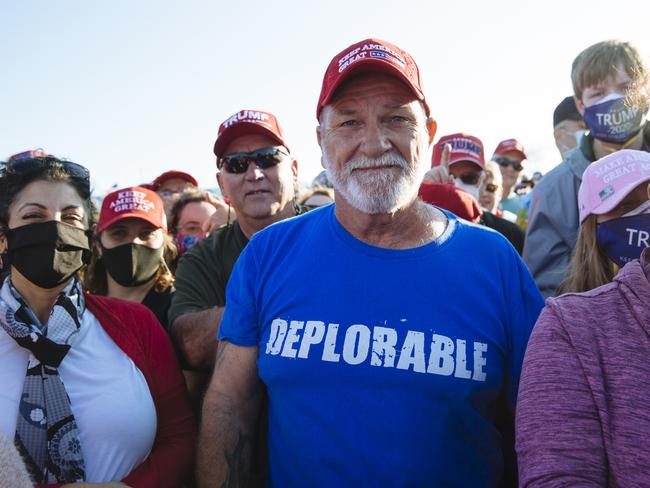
(501, 161)
(469, 178)
(265, 157)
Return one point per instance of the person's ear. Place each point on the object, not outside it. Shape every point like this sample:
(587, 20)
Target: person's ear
(579, 105)
(294, 169)
(432, 127)
(223, 191)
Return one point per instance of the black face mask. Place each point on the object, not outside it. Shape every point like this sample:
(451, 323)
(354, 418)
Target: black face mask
(47, 253)
(131, 264)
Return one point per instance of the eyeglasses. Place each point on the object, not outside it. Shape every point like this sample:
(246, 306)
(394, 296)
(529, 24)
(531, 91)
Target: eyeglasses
(491, 188)
(501, 161)
(469, 178)
(26, 165)
(263, 158)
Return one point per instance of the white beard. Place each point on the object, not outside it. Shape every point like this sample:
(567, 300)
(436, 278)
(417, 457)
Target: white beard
(379, 191)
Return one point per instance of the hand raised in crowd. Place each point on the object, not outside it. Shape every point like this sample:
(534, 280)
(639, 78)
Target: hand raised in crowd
(440, 174)
(222, 216)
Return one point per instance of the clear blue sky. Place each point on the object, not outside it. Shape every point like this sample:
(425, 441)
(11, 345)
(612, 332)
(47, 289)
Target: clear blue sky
(131, 88)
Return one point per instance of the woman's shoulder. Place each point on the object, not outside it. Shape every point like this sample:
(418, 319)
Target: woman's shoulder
(581, 315)
(113, 305)
(132, 326)
(117, 314)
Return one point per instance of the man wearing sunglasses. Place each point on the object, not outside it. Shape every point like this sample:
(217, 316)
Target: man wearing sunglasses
(510, 157)
(257, 177)
(387, 333)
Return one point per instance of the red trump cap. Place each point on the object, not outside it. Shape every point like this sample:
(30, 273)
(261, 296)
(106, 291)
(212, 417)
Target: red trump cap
(248, 122)
(371, 56)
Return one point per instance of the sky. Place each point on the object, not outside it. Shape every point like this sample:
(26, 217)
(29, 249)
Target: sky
(133, 88)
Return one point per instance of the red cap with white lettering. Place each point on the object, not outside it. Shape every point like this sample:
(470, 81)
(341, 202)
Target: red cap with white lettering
(248, 122)
(371, 56)
(463, 148)
(132, 202)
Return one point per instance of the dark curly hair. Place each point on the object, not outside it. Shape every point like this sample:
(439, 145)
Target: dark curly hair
(16, 175)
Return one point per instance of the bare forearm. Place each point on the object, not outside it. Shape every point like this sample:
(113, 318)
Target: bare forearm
(226, 444)
(196, 335)
(229, 421)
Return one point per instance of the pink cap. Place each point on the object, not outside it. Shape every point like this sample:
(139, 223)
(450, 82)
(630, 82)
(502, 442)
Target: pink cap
(606, 182)
(463, 148)
(371, 56)
(248, 122)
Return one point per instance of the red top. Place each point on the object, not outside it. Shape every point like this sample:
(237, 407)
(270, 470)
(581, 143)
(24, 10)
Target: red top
(134, 328)
(451, 198)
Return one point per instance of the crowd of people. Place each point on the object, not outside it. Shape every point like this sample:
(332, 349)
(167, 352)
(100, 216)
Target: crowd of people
(384, 327)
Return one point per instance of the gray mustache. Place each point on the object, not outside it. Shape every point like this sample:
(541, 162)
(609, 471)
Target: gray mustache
(386, 160)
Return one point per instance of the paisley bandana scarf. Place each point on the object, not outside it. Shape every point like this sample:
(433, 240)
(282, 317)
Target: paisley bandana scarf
(46, 432)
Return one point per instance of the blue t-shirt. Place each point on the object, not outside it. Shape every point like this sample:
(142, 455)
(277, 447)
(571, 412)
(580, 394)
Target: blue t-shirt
(383, 367)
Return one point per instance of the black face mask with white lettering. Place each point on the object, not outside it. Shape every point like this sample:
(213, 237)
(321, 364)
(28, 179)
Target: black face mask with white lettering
(47, 253)
(131, 264)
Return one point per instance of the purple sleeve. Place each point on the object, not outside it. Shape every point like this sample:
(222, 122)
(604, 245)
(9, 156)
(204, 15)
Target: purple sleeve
(559, 436)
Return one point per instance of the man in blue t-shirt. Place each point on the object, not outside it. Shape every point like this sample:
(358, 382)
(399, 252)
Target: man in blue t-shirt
(389, 334)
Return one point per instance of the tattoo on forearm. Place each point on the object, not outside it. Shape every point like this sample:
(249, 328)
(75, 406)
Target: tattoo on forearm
(239, 467)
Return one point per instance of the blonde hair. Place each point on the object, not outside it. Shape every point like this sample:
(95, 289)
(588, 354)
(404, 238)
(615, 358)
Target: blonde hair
(589, 267)
(94, 276)
(600, 61)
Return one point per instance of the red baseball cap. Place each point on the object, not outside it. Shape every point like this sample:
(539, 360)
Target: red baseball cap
(371, 56)
(463, 148)
(132, 202)
(248, 122)
(32, 153)
(510, 145)
(450, 198)
(174, 173)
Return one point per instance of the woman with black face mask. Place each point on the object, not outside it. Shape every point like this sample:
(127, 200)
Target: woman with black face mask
(91, 392)
(582, 409)
(131, 251)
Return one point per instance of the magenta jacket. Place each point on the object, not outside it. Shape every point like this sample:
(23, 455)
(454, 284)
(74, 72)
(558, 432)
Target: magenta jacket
(583, 411)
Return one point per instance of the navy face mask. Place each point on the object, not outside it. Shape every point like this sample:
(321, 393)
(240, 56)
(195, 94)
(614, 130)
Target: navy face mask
(610, 120)
(624, 239)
